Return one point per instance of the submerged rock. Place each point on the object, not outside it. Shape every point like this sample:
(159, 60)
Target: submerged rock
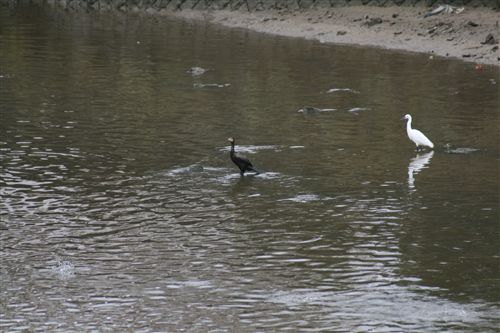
(460, 150)
(196, 71)
(313, 110)
(309, 109)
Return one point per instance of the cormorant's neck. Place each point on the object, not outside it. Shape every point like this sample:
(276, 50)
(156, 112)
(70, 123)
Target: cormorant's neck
(232, 148)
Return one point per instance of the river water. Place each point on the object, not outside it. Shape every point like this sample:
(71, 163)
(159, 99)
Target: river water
(121, 211)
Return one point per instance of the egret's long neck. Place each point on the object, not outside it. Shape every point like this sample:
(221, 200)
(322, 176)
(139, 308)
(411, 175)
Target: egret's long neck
(408, 125)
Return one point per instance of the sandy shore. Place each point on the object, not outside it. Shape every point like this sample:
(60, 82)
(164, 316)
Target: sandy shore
(454, 35)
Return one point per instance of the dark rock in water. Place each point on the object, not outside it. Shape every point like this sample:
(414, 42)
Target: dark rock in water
(341, 32)
(309, 109)
(472, 24)
(313, 110)
(490, 39)
(197, 168)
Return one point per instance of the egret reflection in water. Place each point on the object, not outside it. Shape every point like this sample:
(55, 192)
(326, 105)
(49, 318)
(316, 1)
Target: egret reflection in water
(416, 165)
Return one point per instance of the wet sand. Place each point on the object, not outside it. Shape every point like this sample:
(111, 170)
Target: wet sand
(454, 35)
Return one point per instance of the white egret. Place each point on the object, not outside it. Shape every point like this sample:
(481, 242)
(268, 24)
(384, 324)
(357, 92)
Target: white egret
(415, 135)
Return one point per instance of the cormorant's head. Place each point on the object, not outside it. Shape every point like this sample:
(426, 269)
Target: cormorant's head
(406, 117)
(230, 139)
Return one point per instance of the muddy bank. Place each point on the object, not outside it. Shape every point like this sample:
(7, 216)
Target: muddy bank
(471, 35)
(468, 30)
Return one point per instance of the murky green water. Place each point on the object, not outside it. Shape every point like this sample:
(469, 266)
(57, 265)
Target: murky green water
(121, 211)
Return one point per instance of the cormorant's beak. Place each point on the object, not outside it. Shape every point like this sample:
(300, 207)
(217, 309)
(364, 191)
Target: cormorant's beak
(402, 118)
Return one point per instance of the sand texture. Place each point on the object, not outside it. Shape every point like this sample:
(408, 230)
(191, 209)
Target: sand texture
(471, 35)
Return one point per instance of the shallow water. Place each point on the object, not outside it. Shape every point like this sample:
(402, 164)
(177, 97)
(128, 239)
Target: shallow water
(121, 209)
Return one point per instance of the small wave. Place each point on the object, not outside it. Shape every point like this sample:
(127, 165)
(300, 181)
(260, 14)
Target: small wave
(229, 178)
(303, 198)
(358, 109)
(188, 169)
(199, 284)
(252, 149)
(211, 85)
(333, 90)
(298, 297)
(269, 175)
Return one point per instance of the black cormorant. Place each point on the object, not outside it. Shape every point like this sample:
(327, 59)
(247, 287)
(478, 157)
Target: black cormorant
(243, 163)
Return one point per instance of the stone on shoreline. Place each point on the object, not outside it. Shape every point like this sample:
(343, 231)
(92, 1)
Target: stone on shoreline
(490, 39)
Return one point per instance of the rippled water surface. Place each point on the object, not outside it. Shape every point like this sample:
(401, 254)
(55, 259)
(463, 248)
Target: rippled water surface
(121, 211)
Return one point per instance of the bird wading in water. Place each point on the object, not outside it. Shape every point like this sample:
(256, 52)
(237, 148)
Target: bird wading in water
(418, 138)
(241, 162)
